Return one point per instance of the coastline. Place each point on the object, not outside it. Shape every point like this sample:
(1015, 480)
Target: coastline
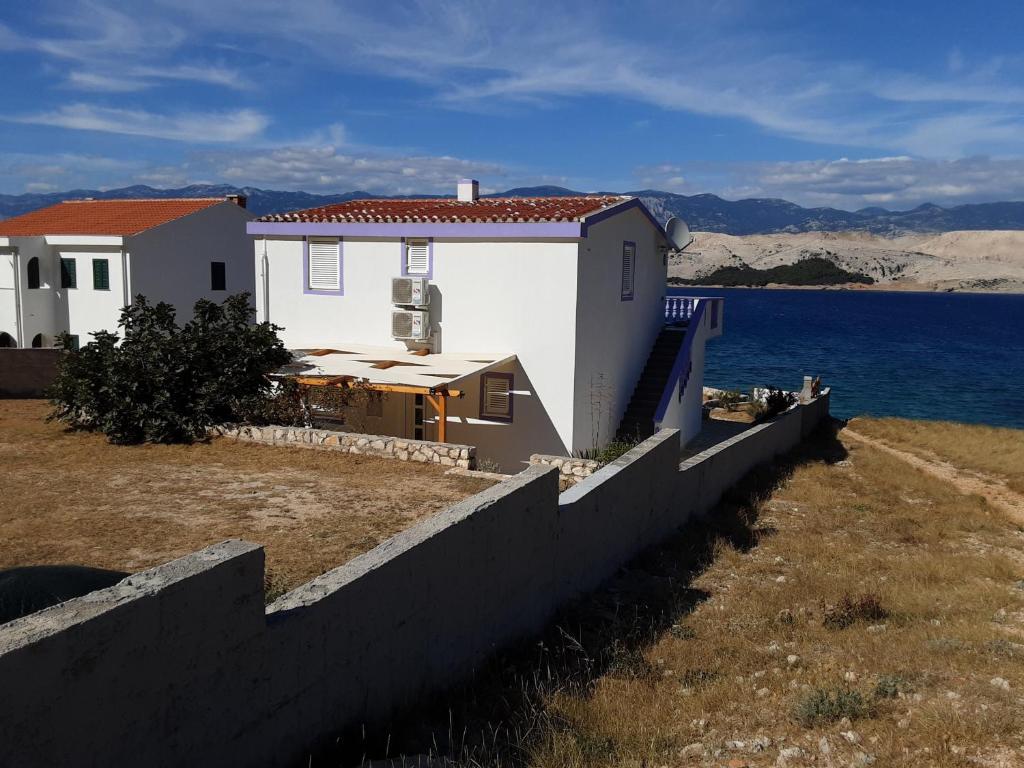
(859, 287)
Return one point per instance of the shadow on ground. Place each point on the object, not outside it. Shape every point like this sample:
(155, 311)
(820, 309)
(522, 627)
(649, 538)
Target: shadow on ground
(490, 718)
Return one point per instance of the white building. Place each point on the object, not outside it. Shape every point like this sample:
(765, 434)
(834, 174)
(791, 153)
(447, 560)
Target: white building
(541, 327)
(73, 266)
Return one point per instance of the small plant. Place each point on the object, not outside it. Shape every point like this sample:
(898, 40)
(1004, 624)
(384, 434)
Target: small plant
(777, 401)
(617, 448)
(588, 454)
(890, 686)
(730, 400)
(487, 465)
(822, 706)
(850, 610)
(273, 586)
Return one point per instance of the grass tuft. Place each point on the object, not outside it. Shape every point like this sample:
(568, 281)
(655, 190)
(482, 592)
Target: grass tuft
(822, 706)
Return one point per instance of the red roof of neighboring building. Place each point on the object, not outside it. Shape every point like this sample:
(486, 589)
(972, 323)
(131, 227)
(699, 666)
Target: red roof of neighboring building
(484, 210)
(103, 217)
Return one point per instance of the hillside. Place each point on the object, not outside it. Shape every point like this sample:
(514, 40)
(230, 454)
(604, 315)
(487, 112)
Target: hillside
(961, 260)
(704, 213)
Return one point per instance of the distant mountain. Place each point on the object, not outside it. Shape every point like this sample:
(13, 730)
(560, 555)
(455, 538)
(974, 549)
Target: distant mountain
(704, 213)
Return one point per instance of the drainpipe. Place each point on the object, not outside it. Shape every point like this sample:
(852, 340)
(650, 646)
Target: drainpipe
(19, 320)
(265, 277)
(126, 275)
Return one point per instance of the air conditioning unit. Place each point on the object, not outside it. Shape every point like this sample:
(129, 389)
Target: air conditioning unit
(410, 324)
(410, 291)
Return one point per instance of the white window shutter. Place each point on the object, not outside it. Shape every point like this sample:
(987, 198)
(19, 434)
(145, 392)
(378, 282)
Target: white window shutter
(628, 268)
(417, 257)
(324, 264)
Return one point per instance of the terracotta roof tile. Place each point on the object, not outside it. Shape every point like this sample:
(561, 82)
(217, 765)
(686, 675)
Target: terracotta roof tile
(103, 217)
(448, 210)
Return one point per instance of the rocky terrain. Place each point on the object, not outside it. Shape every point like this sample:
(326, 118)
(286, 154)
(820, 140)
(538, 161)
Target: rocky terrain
(981, 260)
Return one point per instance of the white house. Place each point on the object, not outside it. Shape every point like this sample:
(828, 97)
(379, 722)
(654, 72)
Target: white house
(518, 325)
(73, 266)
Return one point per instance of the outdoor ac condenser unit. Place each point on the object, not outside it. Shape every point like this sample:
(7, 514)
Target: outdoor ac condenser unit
(410, 291)
(410, 324)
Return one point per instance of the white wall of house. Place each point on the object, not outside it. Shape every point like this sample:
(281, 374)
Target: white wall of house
(8, 298)
(85, 309)
(172, 262)
(614, 336)
(486, 296)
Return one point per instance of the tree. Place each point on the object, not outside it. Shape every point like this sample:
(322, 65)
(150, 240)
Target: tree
(167, 383)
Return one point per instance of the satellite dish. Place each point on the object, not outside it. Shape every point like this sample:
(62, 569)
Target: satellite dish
(678, 233)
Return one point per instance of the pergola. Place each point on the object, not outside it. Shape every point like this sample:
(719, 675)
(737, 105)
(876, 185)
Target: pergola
(384, 369)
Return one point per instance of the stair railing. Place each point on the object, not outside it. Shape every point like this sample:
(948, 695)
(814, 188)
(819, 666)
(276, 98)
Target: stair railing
(679, 308)
(683, 365)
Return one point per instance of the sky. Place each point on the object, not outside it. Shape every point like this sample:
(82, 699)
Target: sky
(847, 104)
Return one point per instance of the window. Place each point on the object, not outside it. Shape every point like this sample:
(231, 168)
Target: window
(628, 270)
(7, 341)
(37, 341)
(73, 344)
(68, 274)
(33, 272)
(100, 275)
(375, 404)
(218, 276)
(496, 396)
(417, 417)
(324, 264)
(417, 257)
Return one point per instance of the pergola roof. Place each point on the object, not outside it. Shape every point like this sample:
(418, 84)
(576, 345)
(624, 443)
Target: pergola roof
(387, 367)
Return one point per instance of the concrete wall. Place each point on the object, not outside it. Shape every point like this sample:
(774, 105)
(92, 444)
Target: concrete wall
(181, 665)
(27, 372)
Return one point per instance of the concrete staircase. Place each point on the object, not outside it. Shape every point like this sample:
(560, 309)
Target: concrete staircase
(638, 420)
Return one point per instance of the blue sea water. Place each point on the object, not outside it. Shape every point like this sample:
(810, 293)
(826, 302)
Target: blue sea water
(951, 356)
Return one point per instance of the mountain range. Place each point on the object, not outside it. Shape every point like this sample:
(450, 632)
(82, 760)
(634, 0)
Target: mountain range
(703, 213)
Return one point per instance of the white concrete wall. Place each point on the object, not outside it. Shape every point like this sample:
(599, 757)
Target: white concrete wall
(172, 262)
(614, 337)
(8, 300)
(39, 311)
(84, 310)
(180, 664)
(486, 297)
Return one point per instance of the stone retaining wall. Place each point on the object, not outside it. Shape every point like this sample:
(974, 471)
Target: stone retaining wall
(446, 454)
(570, 470)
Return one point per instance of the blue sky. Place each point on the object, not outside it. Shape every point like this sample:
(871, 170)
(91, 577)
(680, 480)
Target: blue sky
(824, 103)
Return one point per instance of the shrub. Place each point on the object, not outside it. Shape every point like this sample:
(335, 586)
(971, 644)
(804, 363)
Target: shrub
(777, 401)
(822, 706)
(729, 400)
(890, 686)
(617, 448)
(849, 610)
(166, 383)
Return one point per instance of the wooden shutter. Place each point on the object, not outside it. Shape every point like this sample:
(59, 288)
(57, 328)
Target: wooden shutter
(628, 269)
(68, 274)
(100, 274)
(496, 397)
(218, 276)
(324, 264)
(417, 257)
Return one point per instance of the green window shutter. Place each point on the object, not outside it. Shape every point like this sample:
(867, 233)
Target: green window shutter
(101, 274)
(68, 274)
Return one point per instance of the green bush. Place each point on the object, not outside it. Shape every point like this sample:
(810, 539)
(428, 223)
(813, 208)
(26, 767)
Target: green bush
(166, 383)
(729, 400)
(777, 401)
(822, 706)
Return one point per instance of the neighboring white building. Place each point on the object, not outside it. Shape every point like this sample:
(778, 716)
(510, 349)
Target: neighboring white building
(539, 316)
(73, 266)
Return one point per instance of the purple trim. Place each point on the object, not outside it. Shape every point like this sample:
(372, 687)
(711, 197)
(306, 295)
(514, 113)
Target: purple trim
(429, 274)
(305, 271)
(714, 313)
(683, 360)
(511, 398)
(614, 210)
(495, 230)
(623, 296)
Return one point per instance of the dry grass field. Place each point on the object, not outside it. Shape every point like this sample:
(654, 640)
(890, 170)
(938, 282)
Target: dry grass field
(73, 498)
(842, 608)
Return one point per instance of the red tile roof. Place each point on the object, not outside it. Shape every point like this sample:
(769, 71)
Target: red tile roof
(486, 209)
(103, 217)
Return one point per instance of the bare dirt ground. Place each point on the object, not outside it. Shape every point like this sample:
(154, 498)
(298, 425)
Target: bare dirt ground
(960, 261)
(842, 608)
(74, 498)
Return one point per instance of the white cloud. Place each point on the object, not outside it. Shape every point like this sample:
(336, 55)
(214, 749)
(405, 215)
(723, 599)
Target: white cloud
(194, 127)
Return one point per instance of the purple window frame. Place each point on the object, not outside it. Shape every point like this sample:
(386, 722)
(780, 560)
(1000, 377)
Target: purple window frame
(429, 274)
(623, 296)
(511, 398)
(340, 291)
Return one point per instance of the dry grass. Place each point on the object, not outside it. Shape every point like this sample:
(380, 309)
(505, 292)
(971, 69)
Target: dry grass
(844, 585)
(994, 451)
(74, 498)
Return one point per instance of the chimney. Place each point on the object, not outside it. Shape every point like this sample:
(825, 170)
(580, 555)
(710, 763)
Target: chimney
(239, 200)
(469, 190)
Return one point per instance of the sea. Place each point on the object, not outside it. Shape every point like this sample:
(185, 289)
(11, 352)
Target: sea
(947, 356)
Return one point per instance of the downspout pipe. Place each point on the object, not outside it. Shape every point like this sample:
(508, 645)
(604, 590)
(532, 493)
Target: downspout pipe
(19, 319)
(265, 277)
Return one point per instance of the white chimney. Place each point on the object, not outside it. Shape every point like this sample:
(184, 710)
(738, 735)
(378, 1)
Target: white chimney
(469, 190)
